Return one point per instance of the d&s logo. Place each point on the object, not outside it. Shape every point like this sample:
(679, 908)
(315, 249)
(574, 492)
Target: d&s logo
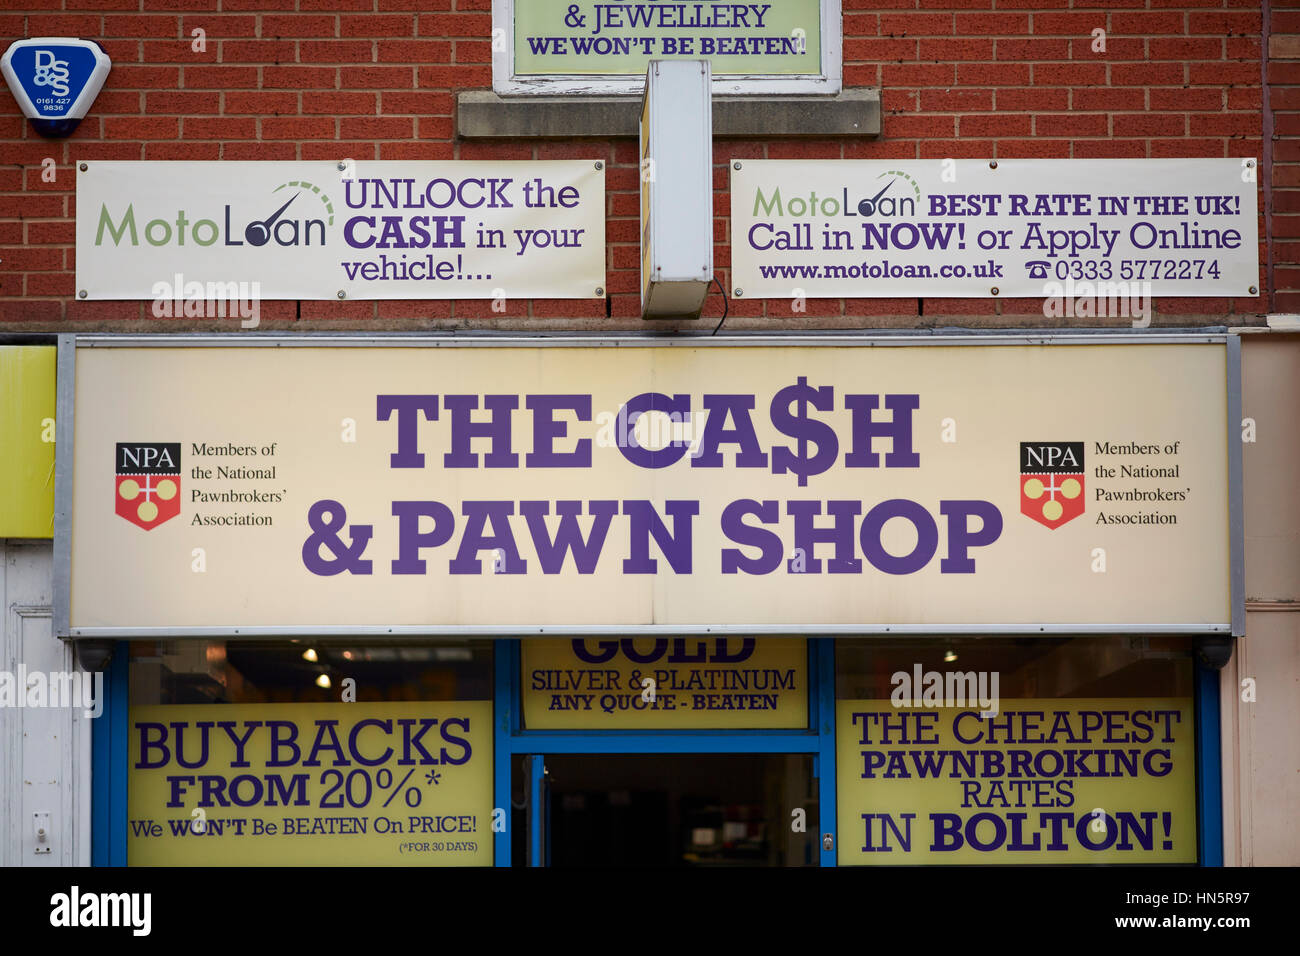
(50, 71)
(55, 80)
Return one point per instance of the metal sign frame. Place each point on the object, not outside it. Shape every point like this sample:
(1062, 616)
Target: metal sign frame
(507, 83)
(70, 343)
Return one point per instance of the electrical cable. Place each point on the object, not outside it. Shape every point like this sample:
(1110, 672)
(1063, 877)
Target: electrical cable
(726, 306)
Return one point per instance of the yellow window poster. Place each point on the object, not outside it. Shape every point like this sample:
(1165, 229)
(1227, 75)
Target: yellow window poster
(1032, 781)
(365, 784)
(665, 683)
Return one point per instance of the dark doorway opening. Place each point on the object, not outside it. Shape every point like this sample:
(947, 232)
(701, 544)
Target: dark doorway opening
(669, 810)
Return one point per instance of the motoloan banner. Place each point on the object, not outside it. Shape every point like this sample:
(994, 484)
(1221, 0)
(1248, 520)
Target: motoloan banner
(1062, 780)
(340, 230)
(506, 488)
(341, 784)
(1054, 228)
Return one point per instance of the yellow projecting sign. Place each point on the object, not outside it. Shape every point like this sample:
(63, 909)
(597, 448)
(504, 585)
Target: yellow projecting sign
(27, 437)
(406, 784)
(679, 683)
(1040, 781)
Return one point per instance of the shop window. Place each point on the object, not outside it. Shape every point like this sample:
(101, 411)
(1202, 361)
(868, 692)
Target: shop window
(1016, 750)
(560, 47)
(310, 752)
(1026, 666)
(306, 671)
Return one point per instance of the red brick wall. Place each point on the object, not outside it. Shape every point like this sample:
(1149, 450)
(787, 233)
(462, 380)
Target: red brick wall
(376, 79)
(1284, 107)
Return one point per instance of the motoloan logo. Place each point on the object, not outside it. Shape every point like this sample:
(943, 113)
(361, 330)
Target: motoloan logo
(888, 201)
(279, 227)
(147, 490)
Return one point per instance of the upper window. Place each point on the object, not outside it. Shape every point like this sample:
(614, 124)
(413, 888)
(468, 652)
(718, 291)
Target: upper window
(604, 46)
(307, 671)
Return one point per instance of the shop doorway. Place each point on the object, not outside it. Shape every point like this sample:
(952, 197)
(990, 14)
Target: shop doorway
(672, 810)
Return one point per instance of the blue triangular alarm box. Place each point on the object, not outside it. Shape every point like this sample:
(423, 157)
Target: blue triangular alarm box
(54, 80)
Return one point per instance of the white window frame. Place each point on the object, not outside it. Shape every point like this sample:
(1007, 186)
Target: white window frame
(829, 82)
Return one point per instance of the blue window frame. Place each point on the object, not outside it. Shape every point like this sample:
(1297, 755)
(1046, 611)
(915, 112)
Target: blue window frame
(817, 739)
(110, 762)
(110, 750)
(1209, 768)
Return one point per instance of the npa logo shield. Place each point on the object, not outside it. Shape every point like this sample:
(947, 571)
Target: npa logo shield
(1051, 481)
(148, 489)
